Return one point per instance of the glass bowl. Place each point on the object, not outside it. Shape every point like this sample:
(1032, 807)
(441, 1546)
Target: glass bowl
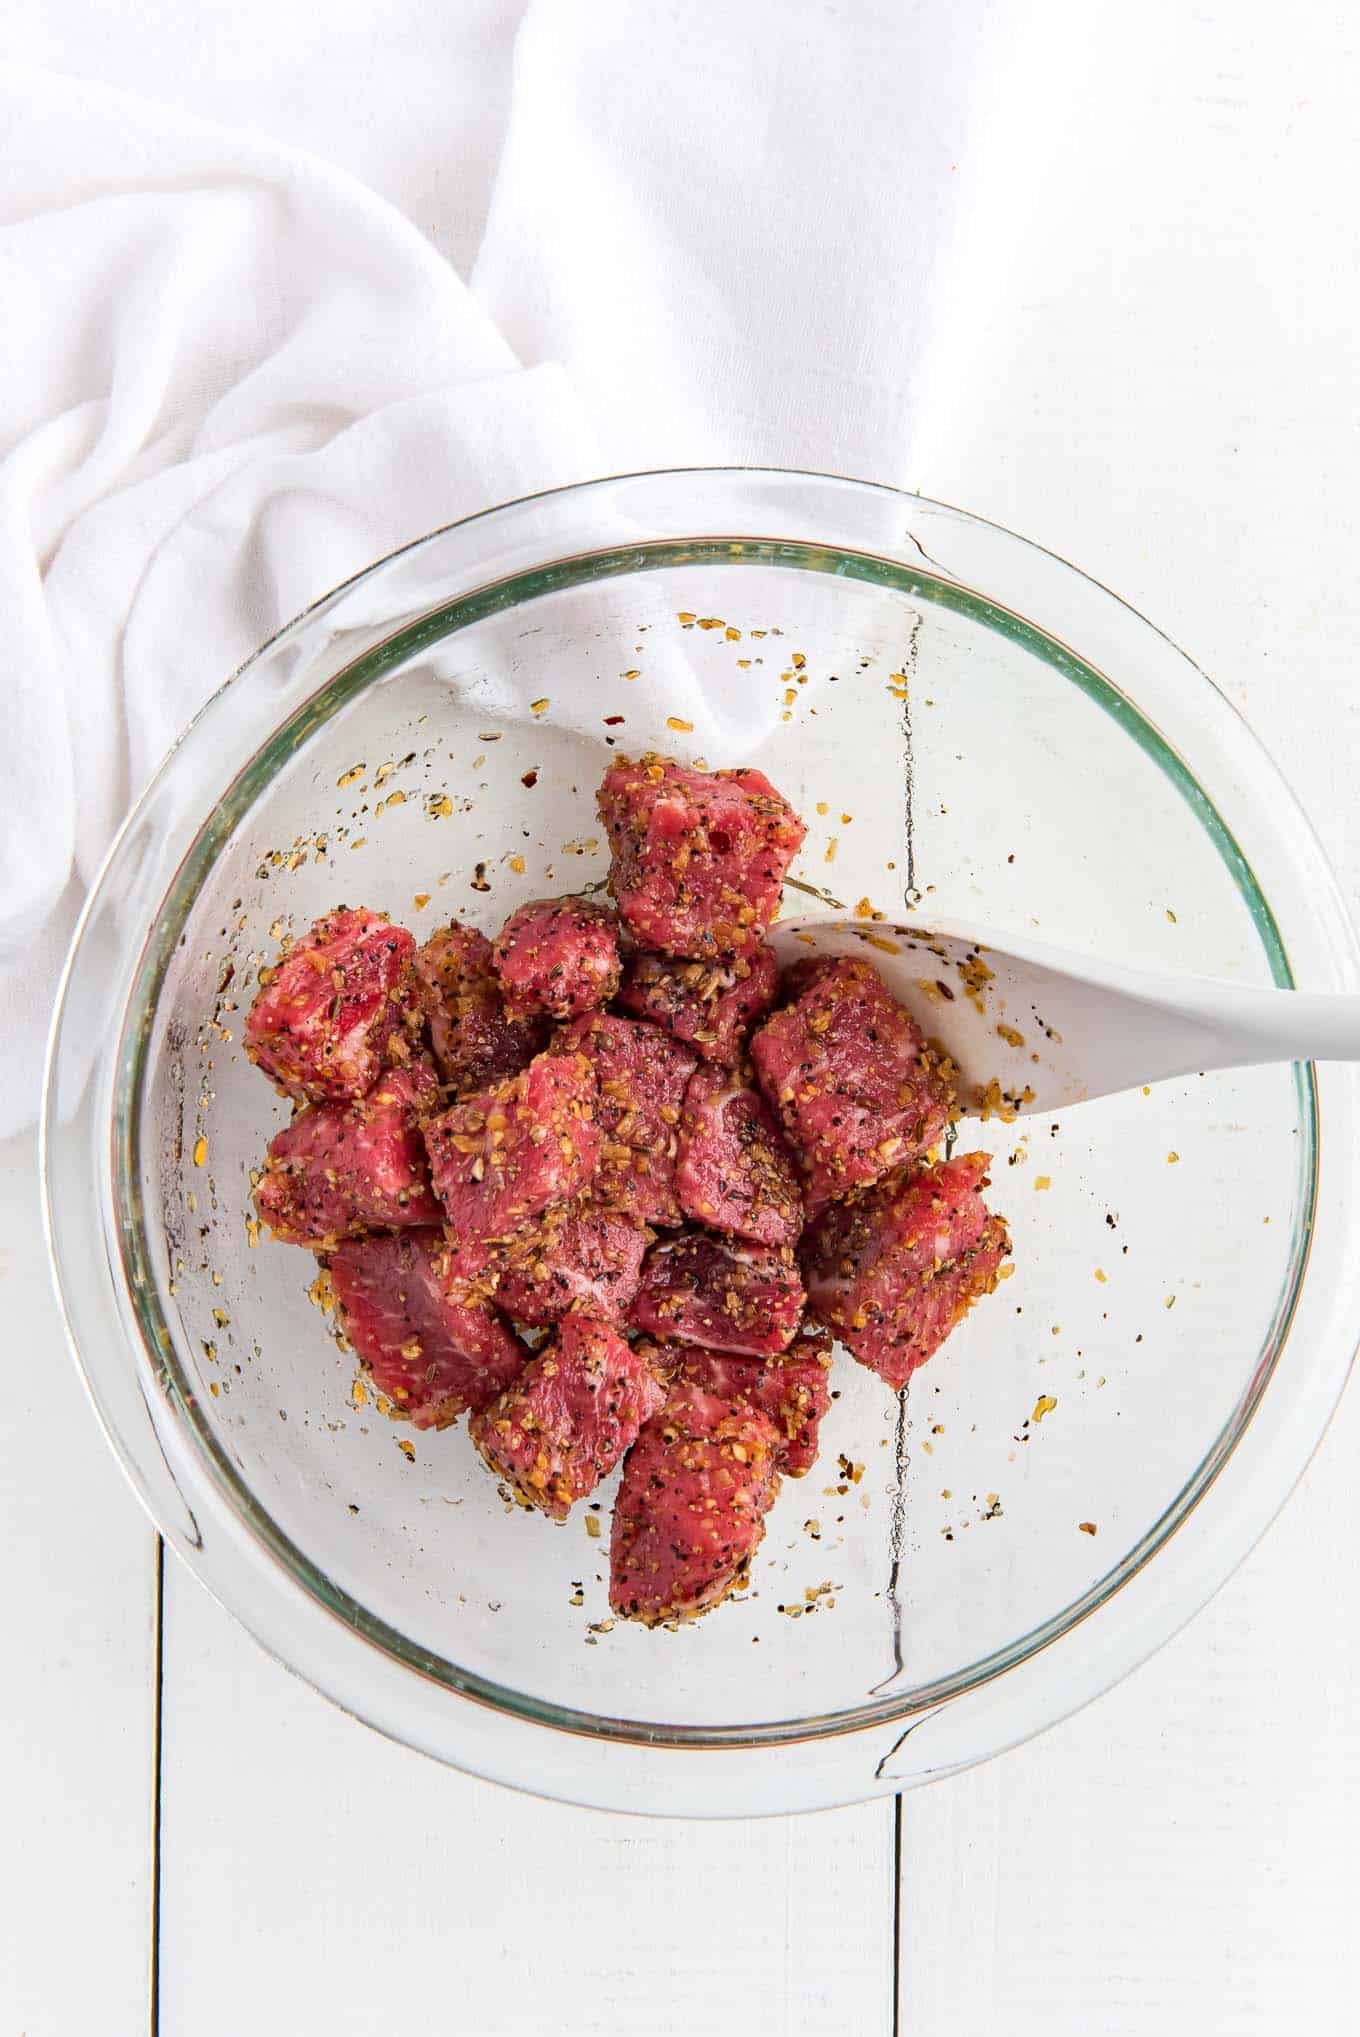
(970, 727)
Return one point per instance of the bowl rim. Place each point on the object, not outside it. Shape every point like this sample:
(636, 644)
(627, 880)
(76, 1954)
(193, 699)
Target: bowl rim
(927, 580)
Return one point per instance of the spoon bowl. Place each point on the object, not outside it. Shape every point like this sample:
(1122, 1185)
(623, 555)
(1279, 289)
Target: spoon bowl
(1037, 1028)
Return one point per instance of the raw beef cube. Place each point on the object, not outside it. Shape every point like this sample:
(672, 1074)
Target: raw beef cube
(343, 1168)
(579, 1256)
(710, 1005)
(642, 1076)
(691, 1508)
(856, 1086)
(892, 1270)
(699, 856)
(796, 976)
(475, 1039)
(732, 1170)
(471, 1268)
(431, 1352)
(568, 1418)
(559, 955)
(334, 1008)
(698, 1290)
(794, 1391)
(503, 1155)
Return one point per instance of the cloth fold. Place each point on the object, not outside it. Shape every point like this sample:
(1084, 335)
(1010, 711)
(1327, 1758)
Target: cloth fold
(742, 229)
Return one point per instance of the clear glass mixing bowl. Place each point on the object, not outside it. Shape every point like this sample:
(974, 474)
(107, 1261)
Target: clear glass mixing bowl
(970, 726)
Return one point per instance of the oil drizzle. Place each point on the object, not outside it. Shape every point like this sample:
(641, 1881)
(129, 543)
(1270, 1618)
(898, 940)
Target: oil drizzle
(911, 894)
(815, 891)
(896, 1537)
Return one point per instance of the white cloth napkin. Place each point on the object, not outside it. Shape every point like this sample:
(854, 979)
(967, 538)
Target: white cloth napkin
(755, 233)
(230, 375)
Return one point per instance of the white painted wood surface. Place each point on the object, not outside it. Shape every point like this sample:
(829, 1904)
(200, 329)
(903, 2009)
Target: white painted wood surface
(77, 1673)
(335, 1883)
(1185, 1855)
(1162, 401)
(1155, 375)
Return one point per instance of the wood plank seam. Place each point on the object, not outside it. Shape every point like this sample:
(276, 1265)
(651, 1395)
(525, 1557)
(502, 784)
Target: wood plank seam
(897, 1918)
(157, 1704)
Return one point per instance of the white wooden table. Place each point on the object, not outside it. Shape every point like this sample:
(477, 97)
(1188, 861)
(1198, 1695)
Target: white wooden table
(1162, 387)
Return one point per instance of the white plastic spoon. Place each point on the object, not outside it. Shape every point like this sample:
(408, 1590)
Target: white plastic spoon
(1034, 1028)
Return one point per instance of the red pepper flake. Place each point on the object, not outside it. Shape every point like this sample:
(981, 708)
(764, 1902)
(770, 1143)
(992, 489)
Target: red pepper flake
(530, 779)
(612, 721)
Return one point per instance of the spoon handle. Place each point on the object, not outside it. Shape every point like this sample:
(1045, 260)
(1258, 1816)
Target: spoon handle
(1245, 1025)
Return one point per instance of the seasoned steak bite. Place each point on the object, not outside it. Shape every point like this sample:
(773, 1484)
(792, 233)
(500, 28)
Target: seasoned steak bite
(701, 1290)
(502, 1156)
(579, 1256)
(340, 1169)
(476, 1041)
(733, 1171)
(699, 856)
(334, 1008)
(429, 1349)
(711, 1006)
(642, 1075)
(857, 1088)
(893, 1269)
(794, 1391)
(691, 1507)
(558, 955)
(591, 1182)
(569, 1416)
